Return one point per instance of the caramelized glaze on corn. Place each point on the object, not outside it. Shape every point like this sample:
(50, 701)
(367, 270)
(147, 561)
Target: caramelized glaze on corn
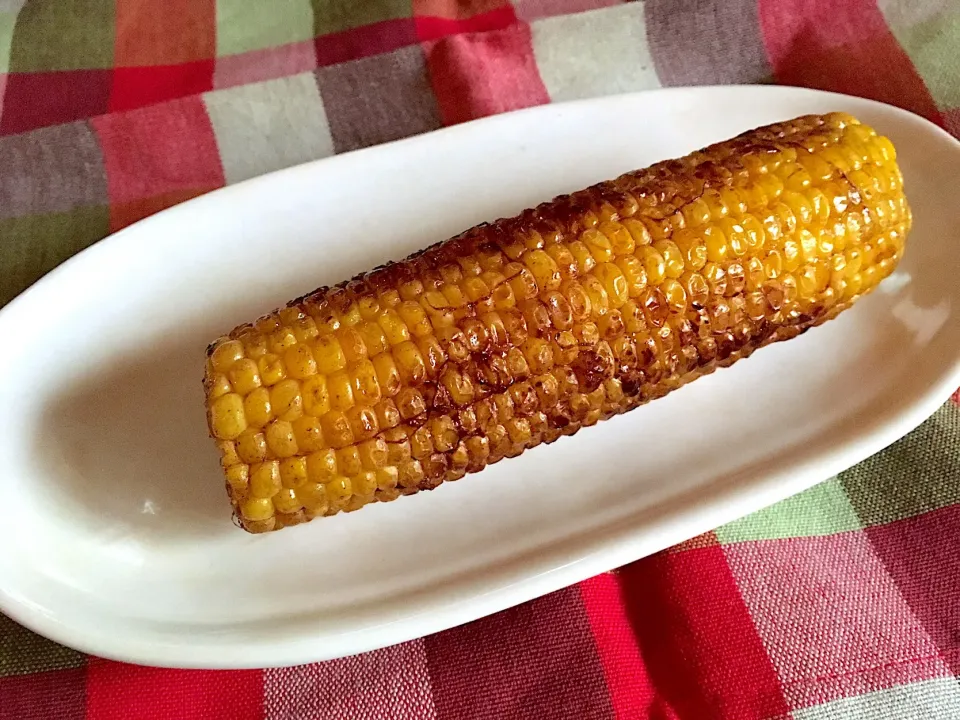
(517, 332)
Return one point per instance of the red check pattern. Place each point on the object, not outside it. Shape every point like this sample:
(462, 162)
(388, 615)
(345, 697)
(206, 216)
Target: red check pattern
(843, 602)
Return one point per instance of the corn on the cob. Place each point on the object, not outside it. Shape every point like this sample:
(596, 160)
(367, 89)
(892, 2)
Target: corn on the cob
(517, 332)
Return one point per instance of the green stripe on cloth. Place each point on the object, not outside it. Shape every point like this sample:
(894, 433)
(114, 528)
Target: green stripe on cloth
(933, 46)
(243, 26)
(822, 510)
(22, 652)
(33, 245)
(337, 15)
(8, 18)
(916, 474)
(64, 35)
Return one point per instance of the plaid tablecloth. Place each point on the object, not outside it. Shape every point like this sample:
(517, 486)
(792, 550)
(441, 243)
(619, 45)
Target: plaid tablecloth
(843, 602)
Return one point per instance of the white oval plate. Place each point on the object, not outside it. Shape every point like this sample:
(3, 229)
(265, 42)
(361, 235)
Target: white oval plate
(117, 531)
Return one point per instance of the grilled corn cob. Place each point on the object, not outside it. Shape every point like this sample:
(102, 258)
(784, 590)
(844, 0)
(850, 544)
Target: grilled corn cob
(517, 332)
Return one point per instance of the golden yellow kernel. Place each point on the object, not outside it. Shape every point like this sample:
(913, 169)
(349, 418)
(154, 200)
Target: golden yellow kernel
(615, 285)
(696, 213)
(585, 261)
(373, 337)
(387, 414)
(373, 453)
(251, 446)
(265, 479)
(348, 461)
(415, 319)
(364, 484)
(421, 443)
(244, 376)
(305, 329)
(308, 434)
(538, 354)
(717, 245)
(286, 501)
(286, 401)
(598, 244)
(672, 258)
(293, 472)
(256, 509)
(363, 422)
(322, 465)
(219, 386)
(271, 369)
(387, 478)
(410, 363)
(716, 278)
(300, 363)
(315, 498)
(328, 354)
(280, 340)
(388, 376)
(280, 438)
(545, 271)
(226, 354)
(257, 408)
(336, 429)
(621, 241)
(340, 387)
(227, 419)
(634, 272)
(654, 264)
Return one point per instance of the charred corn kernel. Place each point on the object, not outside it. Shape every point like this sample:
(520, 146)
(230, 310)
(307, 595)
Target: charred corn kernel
(518, 332)
(227, 419)
(286, 401)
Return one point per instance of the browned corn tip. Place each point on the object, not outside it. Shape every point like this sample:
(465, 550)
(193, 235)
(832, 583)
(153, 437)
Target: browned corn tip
(517, 332)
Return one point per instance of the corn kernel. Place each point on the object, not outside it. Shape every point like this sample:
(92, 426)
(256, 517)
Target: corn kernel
(280, 438)
(314, 498)
(293, 472)
(336, 429)
(226, 354)
(388, 376)
(286, 400)
(265, 479)
(251, 446)
(322, 466)
(387, 478)
(328, 354)
(410, 474)
(256, 509)
(308, 433)
(271, 369)
(614, 283)
(653, 263)
(410, 403)
(286, 501)
(244, 376)
(220, 385)
(227, 419)
(545, 272)
(257, 408)
(300, 363)
(238, 478)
